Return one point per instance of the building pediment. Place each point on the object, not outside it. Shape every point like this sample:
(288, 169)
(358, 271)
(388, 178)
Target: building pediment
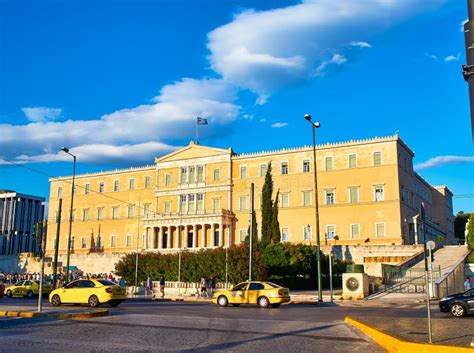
(193, 151)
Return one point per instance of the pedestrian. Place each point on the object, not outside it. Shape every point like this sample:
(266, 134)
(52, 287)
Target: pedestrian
(2, 288)
(203, 287)
(149, 284)
(162, 286)
(213, 284)
(122, 283)
(467, 284)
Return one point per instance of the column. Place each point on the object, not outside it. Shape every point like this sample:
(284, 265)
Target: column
(227, 236)
(221, 234)
(160, 237)
(213, 231)
(168, 238)
(194, 235)
(203, 236)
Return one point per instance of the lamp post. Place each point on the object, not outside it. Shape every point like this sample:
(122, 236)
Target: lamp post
(314, 126)
(66, 150)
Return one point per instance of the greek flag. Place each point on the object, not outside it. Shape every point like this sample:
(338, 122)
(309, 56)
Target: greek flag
(201, 121)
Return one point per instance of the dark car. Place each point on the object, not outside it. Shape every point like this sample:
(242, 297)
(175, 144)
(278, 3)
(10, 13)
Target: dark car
(458, 304)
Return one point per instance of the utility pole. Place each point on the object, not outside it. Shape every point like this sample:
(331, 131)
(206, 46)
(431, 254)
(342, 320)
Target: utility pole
(41, 227)
(252, 188)
(56, 244)
(468, 69)
(138, 240)
(428, 303)
(330, 272)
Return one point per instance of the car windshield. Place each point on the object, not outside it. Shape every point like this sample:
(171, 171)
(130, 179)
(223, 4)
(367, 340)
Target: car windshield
(106, 283)
(274, 285)
(240, 286)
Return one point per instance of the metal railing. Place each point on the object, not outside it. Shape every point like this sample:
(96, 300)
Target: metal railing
(452, 281)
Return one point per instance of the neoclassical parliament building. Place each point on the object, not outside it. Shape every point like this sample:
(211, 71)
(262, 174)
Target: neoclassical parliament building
(199, 197)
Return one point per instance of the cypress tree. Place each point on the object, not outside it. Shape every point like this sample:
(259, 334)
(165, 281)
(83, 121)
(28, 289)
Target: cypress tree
(276, 235)
(267, 207)
(470, 232)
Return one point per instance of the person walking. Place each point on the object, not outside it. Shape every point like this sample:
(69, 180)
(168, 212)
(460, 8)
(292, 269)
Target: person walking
(162, 286)
(203, 287)
(467, 284)
(213, 284)
(149, 285)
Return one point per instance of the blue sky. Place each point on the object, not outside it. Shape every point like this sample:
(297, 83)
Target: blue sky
(122, 81)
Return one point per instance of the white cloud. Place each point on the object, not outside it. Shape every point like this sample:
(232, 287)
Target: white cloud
(266, 50)
(263, 120)
(279, 125)
(431, 56)
(361, 44)
(41, 114)
(452, 58)
(461, 26)
(443, 160)
(337, 59)
(171, 117)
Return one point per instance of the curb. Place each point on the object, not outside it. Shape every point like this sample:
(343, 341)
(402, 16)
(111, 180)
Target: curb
(65, 316)
(396, 345)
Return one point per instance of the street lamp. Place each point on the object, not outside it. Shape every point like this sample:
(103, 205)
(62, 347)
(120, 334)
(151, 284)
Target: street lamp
(314, 126)
(66, 150)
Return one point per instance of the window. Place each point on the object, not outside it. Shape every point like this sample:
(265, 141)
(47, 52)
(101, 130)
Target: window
(243, 203)
(146, 209)
(379, 230)
(167, 207)
(355, 231)
(330, 197)
(168, 179)
(377, 158)
(191, 202)
(216, 204)
(402, 192)
(284, 234)
(60, 191)
(115, 212)
(128, 240)
(217, 174)
(83, 242)
(192, 174)
(144, 241)
(306, 198)
(353, 194)
(200, 173)
(98, 242)
(306, 166)
(256, 286)
(184, 175)
(101, 186)
(328, 163)
(200, 202)
(243, 172)
(285, 200)
(263, 169)
(131, 184)
(242, 235)
(307, 232)
(352, 160)
(182, 203)
(379, 193)
(87, 189)
(116, 185)
(147, 182)
(330, 231)
(100, 213)
(85, 214)
(130, 211)
(113, 241)
(284, 168)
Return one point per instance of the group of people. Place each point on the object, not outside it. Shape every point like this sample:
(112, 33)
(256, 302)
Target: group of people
(207, 286)
(12, 278)
(150, 285)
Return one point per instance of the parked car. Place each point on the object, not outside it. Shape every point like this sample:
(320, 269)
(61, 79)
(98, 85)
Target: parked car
(89, 291)
(458, 304)
(28, 288)
(262, 293)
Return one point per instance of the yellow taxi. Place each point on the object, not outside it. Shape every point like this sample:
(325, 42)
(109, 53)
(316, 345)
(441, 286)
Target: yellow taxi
(264, 294)
(89, 291)
(28, 288)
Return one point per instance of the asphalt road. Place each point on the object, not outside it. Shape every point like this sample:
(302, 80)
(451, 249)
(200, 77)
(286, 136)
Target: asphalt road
(139, 325)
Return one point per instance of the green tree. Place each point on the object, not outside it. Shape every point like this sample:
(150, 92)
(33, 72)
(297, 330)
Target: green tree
(275, 226)
(267, 208)
(470, 232)
(460, 225)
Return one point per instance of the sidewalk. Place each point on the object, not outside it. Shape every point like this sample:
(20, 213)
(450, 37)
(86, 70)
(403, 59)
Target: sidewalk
(62, 313)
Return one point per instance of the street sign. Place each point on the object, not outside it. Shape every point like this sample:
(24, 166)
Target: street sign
(430, 244)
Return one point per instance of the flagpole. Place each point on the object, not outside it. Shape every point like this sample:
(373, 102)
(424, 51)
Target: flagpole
(197, 131)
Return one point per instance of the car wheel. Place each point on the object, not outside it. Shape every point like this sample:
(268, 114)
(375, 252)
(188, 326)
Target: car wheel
(263, 302)
(275, 305)
(29, 294)
(222, 300)
(235, 304)
(55, 300)
(114, 304)
(93, 301)
(9, 293)
(457, 310)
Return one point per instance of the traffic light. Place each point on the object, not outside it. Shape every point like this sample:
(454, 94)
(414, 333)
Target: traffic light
(432, 256)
